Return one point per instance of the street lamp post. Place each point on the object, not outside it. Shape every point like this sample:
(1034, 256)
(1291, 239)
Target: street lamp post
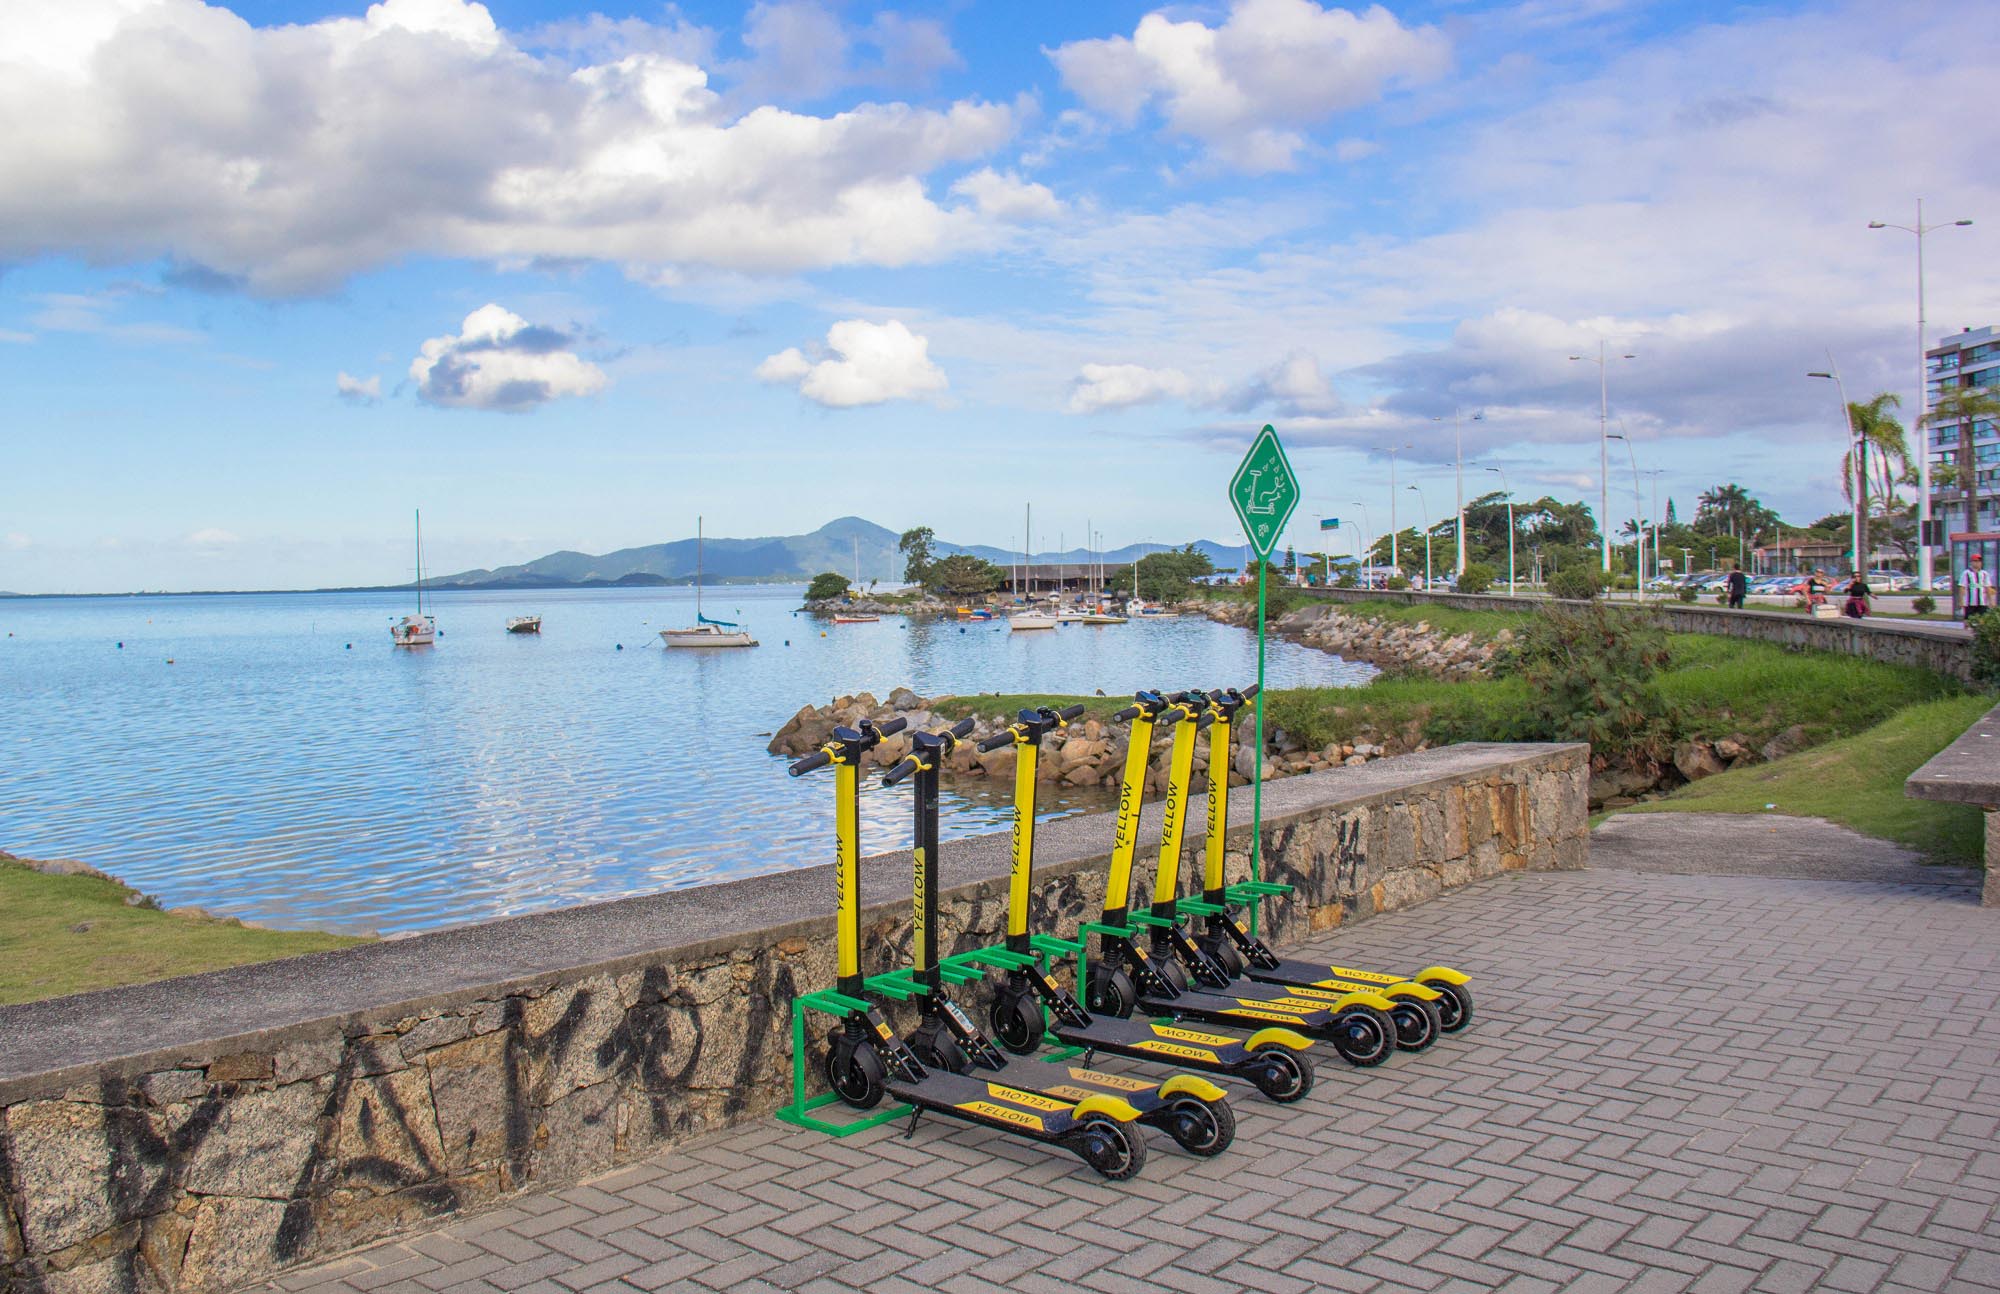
(1638, 522)
(1923, 390)
(1395, 557)
(1424, 512)
(1510, 529)
(1604, 447)
(1458, 460)
(1361, 560)
(1857, 459)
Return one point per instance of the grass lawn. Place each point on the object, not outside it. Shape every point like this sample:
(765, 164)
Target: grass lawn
(1858, 782)
(73, 934)
(1716, 686)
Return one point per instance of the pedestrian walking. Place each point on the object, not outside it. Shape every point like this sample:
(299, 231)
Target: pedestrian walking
(1975, 588)
(1856, 605)
(1739, 585)
(1815, 591)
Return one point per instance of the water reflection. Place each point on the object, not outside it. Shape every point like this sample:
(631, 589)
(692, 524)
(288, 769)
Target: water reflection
(290, 767)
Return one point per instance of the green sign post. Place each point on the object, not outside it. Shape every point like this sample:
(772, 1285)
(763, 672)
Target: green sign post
(1264, 492)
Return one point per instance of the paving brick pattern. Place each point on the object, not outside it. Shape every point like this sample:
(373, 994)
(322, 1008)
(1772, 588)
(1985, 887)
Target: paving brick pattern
(1675, 1083)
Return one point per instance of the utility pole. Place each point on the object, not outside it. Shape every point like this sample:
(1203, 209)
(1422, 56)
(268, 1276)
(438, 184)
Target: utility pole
(1395, 558)
(1510, 529)
(1857, 462)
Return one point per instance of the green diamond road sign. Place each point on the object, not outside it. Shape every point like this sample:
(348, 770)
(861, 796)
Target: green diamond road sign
(1265, 492)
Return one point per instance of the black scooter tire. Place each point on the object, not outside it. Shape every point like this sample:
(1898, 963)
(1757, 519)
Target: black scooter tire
(1455, 1007)
(1418, 1023)
(1364, 1036)
(1111, 992)
(1223, 949)
(941, 1051)
(855, 1073)
(1116, 1150)
(1281, 1074)
(1016, 1021)
(1202, 1128)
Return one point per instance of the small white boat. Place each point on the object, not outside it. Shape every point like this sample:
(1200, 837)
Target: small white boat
(1031, 620)
(524, 624)
(418, 630)
(858, 619)
(705, 632)
(1100, 618)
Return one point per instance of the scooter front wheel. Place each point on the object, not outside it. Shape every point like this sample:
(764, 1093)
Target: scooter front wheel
(1116, 1150)
(1110, 992)
(855, 1072)
(1281, 1075)
(941, 1051)
(1016, 1020)
(1221, 947)
(1204, 1128)
(1364, 1036)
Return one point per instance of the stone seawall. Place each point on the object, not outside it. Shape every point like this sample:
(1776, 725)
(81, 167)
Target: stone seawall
(1939, 648)
(201, 1133)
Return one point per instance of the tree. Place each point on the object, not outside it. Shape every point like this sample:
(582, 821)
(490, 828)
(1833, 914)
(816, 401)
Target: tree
(1875, 428)
(1671, 520)
(963, 575)
(1166, 576)
(1967, 406)
(916, 546)
(1730, 509)
(827, 584)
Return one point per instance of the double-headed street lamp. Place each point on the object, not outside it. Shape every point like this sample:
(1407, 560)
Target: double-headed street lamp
(1604, 447)
(1361, 559)
(1395, 557)
(1424, 511)
(1458, 459)
(1923, 391)
(1638, 520)
(1510, 529)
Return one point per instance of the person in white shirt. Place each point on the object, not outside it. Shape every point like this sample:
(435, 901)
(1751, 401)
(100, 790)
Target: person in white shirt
(1975, 587)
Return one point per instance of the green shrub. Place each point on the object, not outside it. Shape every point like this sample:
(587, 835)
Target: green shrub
(827, 584)
(1924, 604)
(1722, 597)
(1590, 673)
(1986, 650)
(1688, 593)
(1347, 581)
(1398, 582)
(1576, 583)
(1477, 577)
(1277, 601)
(1624, 583)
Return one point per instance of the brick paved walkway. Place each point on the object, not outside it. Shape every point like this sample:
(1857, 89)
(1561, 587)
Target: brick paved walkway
(1675, 1082)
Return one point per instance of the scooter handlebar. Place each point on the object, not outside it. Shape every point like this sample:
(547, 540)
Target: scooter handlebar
(1249, 693)
(1001, 738)
(1071, 713)
(890, 727)
(1129, 712)
(899, 772)
(818, 759)
(958, 731)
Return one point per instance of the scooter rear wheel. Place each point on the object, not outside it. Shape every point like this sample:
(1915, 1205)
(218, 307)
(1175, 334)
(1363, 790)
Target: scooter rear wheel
(1016, 1021)
(855, 1072)
(1116, 1150)
(1204, 1128)
(940, 1050)
(1282, 1075)
(1454, 1007)
(1364, 1036)
(1221, 947)
(1417, 1023)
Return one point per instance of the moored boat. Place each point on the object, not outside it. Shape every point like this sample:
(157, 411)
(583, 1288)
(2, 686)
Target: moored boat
(524, 624)
(705, 632)
(418, 630)
(1031, 620)
(855, 619)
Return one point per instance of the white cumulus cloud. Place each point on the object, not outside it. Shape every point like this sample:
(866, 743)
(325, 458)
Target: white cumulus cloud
(867, 363)
(1100, 387)
(1008, 197)
(286, 158)
(357, 390)
(1250, 88)
(498, 360)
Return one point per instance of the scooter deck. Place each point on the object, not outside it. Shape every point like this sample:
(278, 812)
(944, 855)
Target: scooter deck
(1075, 1082)
(1247, 1010)
(998, 1104)
(1317, 977)
(1224, 1053)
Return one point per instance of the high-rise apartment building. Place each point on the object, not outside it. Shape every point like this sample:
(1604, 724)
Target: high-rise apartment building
(1971, 358)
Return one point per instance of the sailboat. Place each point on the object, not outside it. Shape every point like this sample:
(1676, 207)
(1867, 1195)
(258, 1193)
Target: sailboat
(855, 617)
(1030, 618)
(418, 630)
(705, 632)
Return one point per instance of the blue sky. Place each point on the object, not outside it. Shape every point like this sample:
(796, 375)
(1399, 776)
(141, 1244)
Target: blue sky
(566, 275)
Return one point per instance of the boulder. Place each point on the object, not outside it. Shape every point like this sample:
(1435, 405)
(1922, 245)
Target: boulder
(1789, 741)
(1696, 760)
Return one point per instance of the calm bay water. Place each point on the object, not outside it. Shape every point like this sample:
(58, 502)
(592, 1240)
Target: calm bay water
(292, 768)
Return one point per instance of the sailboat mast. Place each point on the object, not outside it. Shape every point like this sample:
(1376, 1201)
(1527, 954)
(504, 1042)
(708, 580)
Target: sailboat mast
(420, 561)
(1028, 551)
(697, 569)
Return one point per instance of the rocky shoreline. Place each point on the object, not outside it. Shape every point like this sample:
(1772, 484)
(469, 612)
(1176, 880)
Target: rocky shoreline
(1089, 752)
(1386, 644)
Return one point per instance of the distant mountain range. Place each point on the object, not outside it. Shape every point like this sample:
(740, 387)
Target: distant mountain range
(835, 546)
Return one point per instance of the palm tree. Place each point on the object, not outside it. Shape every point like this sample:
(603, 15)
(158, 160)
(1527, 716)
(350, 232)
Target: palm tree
(1874, 427)
(1966, 406)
